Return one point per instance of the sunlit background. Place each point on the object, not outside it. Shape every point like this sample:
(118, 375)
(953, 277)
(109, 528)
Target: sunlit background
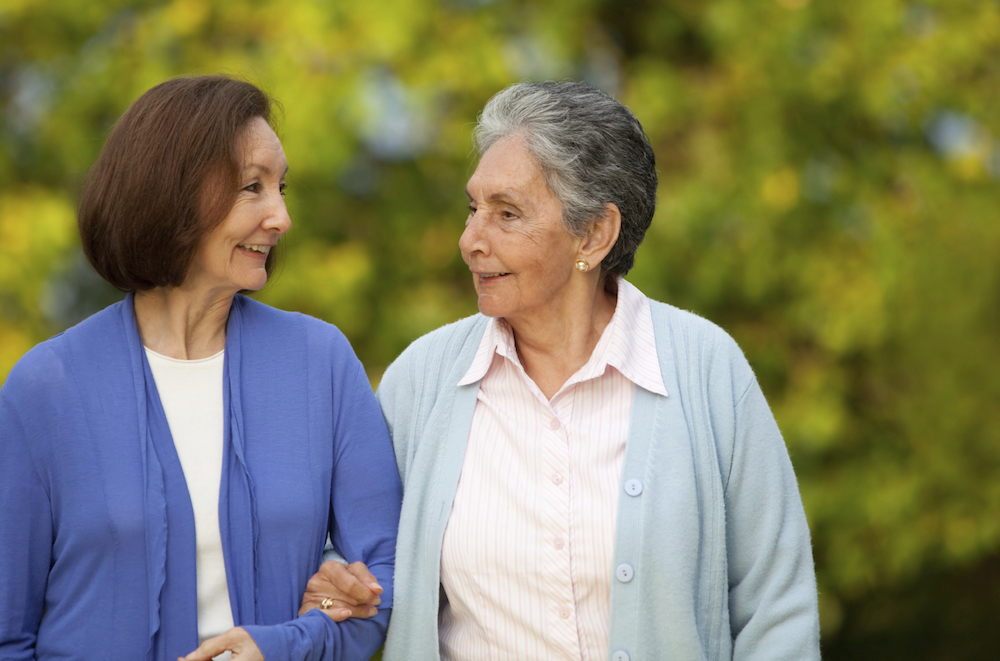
(829, 195)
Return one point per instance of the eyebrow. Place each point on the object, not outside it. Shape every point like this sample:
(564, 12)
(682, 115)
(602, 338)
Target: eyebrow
(506, 195)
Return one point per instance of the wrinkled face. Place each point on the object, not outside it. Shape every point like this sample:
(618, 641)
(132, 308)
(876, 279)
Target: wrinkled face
(232, 256)
(520, 253)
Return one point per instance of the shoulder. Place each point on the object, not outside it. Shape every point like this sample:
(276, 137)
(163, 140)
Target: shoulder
(446, 350)
(45, 366)
(450, 336)
(47, 387)
(688, 326)
(260, 319)
(692, 345)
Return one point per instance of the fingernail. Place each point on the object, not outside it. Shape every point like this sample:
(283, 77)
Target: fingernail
(375, 588)
(344, 612)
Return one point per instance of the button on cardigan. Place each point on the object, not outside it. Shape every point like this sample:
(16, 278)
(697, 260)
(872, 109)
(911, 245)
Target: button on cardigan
(716, 541)
(98, 534)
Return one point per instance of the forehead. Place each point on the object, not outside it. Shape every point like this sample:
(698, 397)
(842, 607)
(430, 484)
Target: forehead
(260, 143)
(507, 166)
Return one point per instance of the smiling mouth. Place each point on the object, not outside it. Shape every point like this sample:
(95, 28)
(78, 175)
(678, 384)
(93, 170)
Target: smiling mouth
(485, 276)
(255, 247)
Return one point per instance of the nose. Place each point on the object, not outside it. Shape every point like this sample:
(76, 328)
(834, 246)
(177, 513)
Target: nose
(278, 219)
(472, 237)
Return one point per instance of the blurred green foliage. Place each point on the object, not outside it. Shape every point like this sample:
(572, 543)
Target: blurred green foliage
(829, 179)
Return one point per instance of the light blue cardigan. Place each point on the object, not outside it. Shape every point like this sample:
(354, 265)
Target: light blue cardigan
(717, 539)
(97, 548)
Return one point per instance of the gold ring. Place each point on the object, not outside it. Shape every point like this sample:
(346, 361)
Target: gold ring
(326, 603)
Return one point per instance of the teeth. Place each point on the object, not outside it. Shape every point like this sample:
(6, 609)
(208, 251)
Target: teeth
(256, 247)
(490, 275)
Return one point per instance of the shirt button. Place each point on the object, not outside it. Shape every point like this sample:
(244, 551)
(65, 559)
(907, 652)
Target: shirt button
(633, 487)
(620, 655)
(554, 424)
(564, 612)
(624, 573)
(556, 478)
(559, 544)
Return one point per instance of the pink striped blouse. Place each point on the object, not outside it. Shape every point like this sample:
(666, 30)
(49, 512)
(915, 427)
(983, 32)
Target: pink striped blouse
(527, 559)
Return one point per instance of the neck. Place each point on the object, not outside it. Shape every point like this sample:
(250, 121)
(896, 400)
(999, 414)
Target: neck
(181, 323)
(554, 345)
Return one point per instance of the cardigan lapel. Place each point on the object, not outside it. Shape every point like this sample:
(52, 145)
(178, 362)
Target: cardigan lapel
(154, 496)
(237, 509)
(169, 518)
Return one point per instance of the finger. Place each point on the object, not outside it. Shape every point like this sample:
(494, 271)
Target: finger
(341, 582)
(316, 593)
(360, 571)
(338, 611)
(209, 649)
(333, 578)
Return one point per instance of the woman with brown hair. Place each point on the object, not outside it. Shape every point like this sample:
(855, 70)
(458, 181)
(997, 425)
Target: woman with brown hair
(173, 465)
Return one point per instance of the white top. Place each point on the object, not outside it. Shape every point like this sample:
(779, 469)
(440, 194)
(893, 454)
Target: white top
(191, 395)
(526, 562)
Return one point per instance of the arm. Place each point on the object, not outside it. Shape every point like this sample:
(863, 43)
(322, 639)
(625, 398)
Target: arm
(25, 537)
(772, 582)
(365, 502)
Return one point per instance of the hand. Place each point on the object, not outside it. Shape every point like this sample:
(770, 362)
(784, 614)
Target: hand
(236, 640)
(353, 589)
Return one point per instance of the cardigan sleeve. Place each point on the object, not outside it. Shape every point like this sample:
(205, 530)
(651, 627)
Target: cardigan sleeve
(772, 583)
(396, 399)
(25, 537)
(365, 502)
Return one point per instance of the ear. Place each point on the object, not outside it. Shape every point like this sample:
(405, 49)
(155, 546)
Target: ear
(602, 235)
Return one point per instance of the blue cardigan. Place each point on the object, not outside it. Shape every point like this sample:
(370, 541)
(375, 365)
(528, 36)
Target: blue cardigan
(713, 533)
(97, 538)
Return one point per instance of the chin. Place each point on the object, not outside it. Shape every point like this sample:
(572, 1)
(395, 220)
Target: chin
(255, 285)
(492, 308)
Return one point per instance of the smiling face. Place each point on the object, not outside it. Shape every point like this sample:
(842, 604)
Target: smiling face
(231, 257)
(515, 243)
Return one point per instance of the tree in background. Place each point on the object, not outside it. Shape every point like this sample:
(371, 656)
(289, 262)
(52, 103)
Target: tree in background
(829, 177)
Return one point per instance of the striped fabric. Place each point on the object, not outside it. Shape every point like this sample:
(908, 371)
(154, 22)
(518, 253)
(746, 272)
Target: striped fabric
(527, 555)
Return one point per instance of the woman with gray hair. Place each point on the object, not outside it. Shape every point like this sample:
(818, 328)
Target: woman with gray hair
(587, 474)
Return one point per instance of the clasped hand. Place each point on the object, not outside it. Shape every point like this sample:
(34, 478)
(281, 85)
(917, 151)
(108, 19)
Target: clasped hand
(348, 590)
(351, 591)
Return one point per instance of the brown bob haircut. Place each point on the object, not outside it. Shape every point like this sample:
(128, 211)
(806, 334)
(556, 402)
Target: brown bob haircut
(167, 176)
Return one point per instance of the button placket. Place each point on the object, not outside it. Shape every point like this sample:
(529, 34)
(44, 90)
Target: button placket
(555, 514)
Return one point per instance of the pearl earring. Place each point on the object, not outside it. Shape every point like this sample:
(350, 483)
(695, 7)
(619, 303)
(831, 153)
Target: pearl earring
(582, 265)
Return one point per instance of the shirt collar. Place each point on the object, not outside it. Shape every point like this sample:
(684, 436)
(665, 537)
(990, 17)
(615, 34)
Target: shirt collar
(632, 343)
(628, 344)
(498, 339)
